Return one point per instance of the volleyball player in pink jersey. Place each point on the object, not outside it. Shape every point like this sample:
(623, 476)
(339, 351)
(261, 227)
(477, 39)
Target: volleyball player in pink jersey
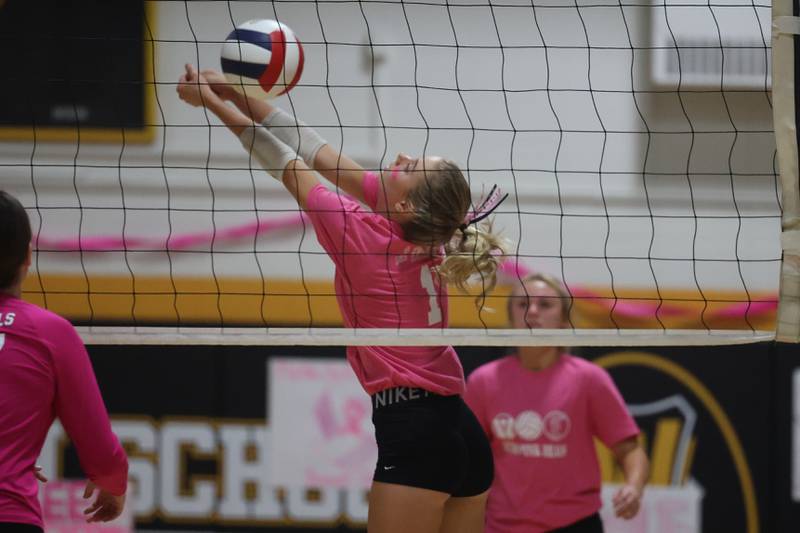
(392, 264)
(542, 408)
(45, 373)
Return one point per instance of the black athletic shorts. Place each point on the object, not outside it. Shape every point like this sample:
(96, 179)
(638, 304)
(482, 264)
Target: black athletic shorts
(13, 527)
(431, 442)
(590, 524)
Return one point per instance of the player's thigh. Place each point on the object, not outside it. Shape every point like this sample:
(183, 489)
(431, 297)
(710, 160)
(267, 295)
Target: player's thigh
(401, 508)
(464, 515)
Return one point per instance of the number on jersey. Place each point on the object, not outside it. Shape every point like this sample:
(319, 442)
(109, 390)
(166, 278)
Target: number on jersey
(429, 284)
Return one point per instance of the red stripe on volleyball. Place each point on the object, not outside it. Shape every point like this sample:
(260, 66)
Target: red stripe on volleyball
(273, 70)
(299, 70)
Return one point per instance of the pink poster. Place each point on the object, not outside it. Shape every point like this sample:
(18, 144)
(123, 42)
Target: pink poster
(321, 425)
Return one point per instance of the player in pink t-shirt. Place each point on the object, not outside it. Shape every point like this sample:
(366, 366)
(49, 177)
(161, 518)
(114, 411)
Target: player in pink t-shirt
(45, 373)
(393, 262)
(542, 409)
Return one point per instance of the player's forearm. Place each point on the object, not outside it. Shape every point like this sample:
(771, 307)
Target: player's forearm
(256, 109)
(635, 467)
(296, 134)
(317, 154)
(299, 180)
(340, 170)
(235, 120)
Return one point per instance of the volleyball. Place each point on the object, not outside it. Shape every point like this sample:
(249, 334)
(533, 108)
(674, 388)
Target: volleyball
(262, 58)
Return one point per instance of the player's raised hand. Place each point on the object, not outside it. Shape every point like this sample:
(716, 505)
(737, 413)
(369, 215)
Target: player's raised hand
(218, 83)
(194, 89)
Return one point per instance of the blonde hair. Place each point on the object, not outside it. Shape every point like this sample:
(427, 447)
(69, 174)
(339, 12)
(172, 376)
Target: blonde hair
(564, 297)
(441, 202)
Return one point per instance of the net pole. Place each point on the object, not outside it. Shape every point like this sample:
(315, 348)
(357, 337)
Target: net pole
(785, 26)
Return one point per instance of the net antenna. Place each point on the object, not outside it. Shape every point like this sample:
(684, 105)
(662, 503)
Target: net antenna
(785, 28)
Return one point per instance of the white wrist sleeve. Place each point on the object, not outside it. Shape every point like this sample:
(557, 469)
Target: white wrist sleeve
(295, 133)
(268, 150)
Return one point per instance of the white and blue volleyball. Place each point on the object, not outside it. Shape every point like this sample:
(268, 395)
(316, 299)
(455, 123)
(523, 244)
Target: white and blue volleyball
(262, 58)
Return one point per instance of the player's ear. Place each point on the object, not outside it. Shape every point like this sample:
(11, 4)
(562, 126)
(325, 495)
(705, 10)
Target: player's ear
(404, 206)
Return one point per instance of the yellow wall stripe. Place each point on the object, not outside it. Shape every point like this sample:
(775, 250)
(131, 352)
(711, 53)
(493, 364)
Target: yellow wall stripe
(292, 302)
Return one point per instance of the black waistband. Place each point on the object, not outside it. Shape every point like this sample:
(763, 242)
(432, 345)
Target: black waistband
(398, 395)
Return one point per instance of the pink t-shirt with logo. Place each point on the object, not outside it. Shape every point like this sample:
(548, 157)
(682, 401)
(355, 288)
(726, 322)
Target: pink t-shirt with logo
(384, 281)
(45, 373)
(541, 427)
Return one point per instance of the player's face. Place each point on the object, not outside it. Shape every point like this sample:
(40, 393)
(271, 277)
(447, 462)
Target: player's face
(540, 309)
(400, 178)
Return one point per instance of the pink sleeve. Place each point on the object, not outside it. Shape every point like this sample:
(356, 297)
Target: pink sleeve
(341, 223)
(611, 421)
(80, 408)
(370, 185)
(327, 212)
(475, 398)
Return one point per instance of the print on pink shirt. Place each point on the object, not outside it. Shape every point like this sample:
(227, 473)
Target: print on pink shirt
(530, 427)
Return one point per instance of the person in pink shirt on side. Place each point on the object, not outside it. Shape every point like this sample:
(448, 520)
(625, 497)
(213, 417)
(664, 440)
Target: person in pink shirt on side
(541, 409)
(45, 373)
(393, 261)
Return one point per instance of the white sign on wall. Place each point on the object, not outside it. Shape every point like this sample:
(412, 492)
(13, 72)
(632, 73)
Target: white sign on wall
(665, 509)
(321, 424)
(796, 435)
(701, 45)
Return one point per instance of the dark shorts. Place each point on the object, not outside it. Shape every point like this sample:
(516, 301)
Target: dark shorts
(590, 524)
(12, 527)
(431, 442)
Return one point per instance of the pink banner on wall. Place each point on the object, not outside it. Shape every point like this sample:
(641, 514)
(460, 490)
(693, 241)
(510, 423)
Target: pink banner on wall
(321, 424)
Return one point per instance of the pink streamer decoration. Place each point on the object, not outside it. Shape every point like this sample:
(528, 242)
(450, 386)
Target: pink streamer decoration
(514, 270)
(173, 242)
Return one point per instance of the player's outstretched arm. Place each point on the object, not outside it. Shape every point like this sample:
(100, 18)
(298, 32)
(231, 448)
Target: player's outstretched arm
(280, 160)
(340, 170)
(318, 155)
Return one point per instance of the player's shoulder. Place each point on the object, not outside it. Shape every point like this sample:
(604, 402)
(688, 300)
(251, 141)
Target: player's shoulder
(320, 197)
(46, 323)
(489, 371)
(585, 367)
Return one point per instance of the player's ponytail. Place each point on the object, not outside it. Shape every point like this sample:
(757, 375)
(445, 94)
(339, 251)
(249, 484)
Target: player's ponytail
(475, 252)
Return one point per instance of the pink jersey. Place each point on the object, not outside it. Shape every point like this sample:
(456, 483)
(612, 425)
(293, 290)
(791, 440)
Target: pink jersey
(384, 281)
(541, 427)
(45, 373)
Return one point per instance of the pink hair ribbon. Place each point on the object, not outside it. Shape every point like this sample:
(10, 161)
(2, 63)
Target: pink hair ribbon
(489, 204)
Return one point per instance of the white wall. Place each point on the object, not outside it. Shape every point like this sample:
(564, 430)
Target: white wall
(545, 147)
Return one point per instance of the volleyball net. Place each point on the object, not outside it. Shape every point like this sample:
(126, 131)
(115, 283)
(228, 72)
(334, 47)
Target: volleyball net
(636, 140)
